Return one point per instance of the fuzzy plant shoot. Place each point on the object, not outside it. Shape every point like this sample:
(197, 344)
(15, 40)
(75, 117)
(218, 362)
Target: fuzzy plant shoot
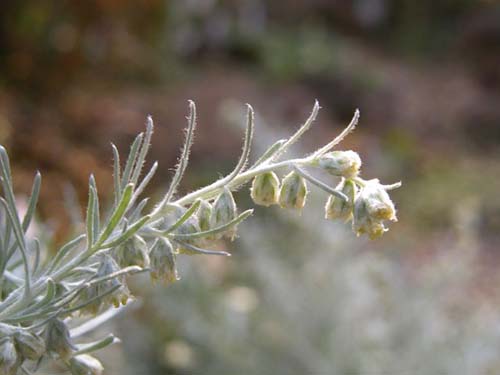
(48, 302)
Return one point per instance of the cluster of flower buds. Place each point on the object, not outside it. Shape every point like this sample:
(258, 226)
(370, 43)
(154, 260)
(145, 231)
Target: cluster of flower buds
(16, 346)
(367, 203)
(266, 190)
(372, 208)
(98, 296)
(207, 222)
(181, 230)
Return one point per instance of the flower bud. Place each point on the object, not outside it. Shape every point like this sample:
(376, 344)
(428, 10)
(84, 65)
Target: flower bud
(58, 339)
(173, 212)
(336, 208)
(265, 189)
(90, 295)
(371, 208)
(85, 364)
(203, 214)
(293, 191)
(30, 345)
(120, 297)
(122, 294)
(341, 163)
(163, 262)
(133, 253)
(9, 359)
(362, 223)
(378, 202)
(189, 227)
(223, 211)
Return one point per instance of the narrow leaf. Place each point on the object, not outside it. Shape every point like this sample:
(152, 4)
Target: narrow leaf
(341, 136)
(321, 184)
(143, 152)
(35, 193)
(19, 235)
(116, 173)
(270, 152)
(247, 144)
(97, 345)
(90, 217)
(118, 213)
(132, 158)
(7, 186)
(132, 230)
(65, 250)
(239, 166)
(203, 251)
(136, 213)
(96, 219)
(36, 263)
(295, 137)
(222, 228)
(91, 300)
(47, 298)
(145, 182)
(184, 159)
(189, 212)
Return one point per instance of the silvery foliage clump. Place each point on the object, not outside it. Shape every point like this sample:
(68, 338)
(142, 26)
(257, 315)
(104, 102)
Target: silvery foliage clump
(48, 300)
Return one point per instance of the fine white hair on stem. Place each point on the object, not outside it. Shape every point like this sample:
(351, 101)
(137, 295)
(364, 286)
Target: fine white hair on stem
(245, 153)
(247, 143)
(186, 150)
(143, 152)
(116, 172)
(131, 160)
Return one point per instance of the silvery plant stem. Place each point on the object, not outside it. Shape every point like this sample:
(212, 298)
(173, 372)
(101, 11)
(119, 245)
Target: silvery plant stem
(40, 295)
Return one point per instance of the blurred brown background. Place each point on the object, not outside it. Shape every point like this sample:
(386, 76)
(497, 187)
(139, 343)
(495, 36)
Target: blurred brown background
(426, 76)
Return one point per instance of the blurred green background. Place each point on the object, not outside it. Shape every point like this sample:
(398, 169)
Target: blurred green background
(300, 295)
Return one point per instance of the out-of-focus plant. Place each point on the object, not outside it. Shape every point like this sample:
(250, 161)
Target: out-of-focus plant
(46, 300)
(314, 301)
